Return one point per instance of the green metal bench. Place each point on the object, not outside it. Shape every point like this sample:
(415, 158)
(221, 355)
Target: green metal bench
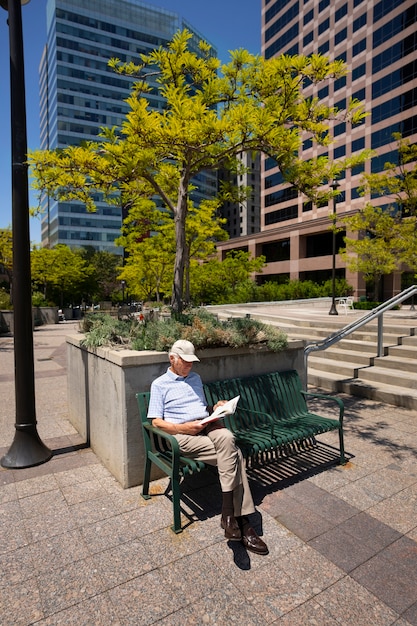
(271, 416)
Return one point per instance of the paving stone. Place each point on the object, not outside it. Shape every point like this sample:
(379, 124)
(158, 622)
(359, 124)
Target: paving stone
(20, 604)
(392, 575)
(98, 611)
(349, 603)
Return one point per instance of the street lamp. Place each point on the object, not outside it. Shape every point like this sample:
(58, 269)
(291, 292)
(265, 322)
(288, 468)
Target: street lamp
(333, 309)
(27, 448)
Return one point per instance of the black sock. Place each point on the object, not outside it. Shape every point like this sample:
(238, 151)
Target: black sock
(227, 507)
(244, 523)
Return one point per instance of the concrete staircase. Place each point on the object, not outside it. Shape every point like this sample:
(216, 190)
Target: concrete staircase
(351, 365)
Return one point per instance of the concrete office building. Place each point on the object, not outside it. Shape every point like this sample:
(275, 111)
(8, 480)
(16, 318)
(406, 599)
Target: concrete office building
(378, 41)
(80, 94)
(243, 218)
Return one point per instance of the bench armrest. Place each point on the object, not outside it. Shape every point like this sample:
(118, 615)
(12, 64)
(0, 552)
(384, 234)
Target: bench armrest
(338, 401)
(264, 417)
(172, 443)
(161, 433)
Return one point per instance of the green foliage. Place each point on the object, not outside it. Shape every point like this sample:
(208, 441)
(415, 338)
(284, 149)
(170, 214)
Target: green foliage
(59, 273)
(221, 282)
(215, 288)
(38, 299)
(386, 238)
(5, 303)
(199, 326)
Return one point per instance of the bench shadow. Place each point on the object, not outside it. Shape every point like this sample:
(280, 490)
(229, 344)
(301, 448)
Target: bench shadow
(201, 494)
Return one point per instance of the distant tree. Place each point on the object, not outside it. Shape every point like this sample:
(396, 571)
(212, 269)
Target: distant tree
(217, 282)
(59, 273)
(379, 239)
(102, 281)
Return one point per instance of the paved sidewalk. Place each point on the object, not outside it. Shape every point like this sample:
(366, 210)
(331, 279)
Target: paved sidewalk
(75, 548)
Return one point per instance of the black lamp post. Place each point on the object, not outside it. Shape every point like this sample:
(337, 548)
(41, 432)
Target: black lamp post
(333, 309)
(27, 448)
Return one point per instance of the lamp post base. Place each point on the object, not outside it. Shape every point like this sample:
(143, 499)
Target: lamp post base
(26, 450)
(333, 310)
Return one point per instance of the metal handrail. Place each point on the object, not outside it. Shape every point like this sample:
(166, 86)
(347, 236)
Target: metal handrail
(378, 312)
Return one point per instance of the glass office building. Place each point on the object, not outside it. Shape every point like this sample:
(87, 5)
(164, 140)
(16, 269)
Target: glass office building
(378, 42)
(80, 94)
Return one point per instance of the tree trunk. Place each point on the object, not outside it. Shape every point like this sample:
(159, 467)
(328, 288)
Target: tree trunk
(179, 218)
(187, 275)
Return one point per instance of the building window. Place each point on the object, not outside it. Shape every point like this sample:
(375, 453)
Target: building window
(289, 193)
(339, 152)
(276, 251)
(282, 215)
(358, 144)
(341, 12)
(325, 25)
(359, 47)
(308, 38)
(358, 71)
(308, 17)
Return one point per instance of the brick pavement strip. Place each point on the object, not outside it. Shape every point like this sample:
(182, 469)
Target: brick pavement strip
(75, 548)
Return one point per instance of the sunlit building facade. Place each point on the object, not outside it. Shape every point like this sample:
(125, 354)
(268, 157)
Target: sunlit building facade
(79, 94)
(378, 42)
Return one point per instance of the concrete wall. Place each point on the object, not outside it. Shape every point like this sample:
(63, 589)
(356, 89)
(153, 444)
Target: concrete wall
(102, 385)
(40, 315)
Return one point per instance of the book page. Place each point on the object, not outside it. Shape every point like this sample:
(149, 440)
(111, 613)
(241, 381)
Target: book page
(221, 411)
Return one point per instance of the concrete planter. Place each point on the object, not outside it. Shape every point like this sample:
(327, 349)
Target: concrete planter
(102, 384)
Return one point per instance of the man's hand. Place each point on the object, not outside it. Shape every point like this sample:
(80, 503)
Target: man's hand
(190, 428)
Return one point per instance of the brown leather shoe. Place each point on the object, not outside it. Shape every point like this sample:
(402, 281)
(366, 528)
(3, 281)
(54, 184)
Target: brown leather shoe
(231, 528)
(253, 543)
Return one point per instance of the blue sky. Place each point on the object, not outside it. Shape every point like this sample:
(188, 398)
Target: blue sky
(227, 24)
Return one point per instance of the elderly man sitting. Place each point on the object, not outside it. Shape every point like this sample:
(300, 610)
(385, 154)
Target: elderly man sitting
(177, 406)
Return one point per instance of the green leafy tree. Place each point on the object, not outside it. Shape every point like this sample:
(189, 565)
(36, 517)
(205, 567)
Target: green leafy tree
(211, 113)
(148, 269)
(382, 239)
(59, 273)
(150, 260)
(376, 250)
(104, 268)
(217, 282)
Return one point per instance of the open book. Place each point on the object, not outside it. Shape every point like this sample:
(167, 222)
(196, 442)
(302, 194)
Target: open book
(221, 411)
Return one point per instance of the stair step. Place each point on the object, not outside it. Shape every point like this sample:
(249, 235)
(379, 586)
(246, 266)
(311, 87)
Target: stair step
(337, 354)
(342, 368)
(382, 375)
(403, 352)
(397, 363)
(409, 341)
(382, 392)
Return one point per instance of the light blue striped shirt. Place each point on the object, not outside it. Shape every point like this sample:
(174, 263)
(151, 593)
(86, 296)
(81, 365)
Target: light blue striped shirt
(177, 399)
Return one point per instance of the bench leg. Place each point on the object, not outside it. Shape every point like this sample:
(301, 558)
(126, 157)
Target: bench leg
(176, 494)
(342, 447)
(146, 479)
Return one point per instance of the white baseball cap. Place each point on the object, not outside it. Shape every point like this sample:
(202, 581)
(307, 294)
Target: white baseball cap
(185, 350)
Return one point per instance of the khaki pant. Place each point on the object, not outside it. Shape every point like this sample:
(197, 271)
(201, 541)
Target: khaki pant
(218, 448)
